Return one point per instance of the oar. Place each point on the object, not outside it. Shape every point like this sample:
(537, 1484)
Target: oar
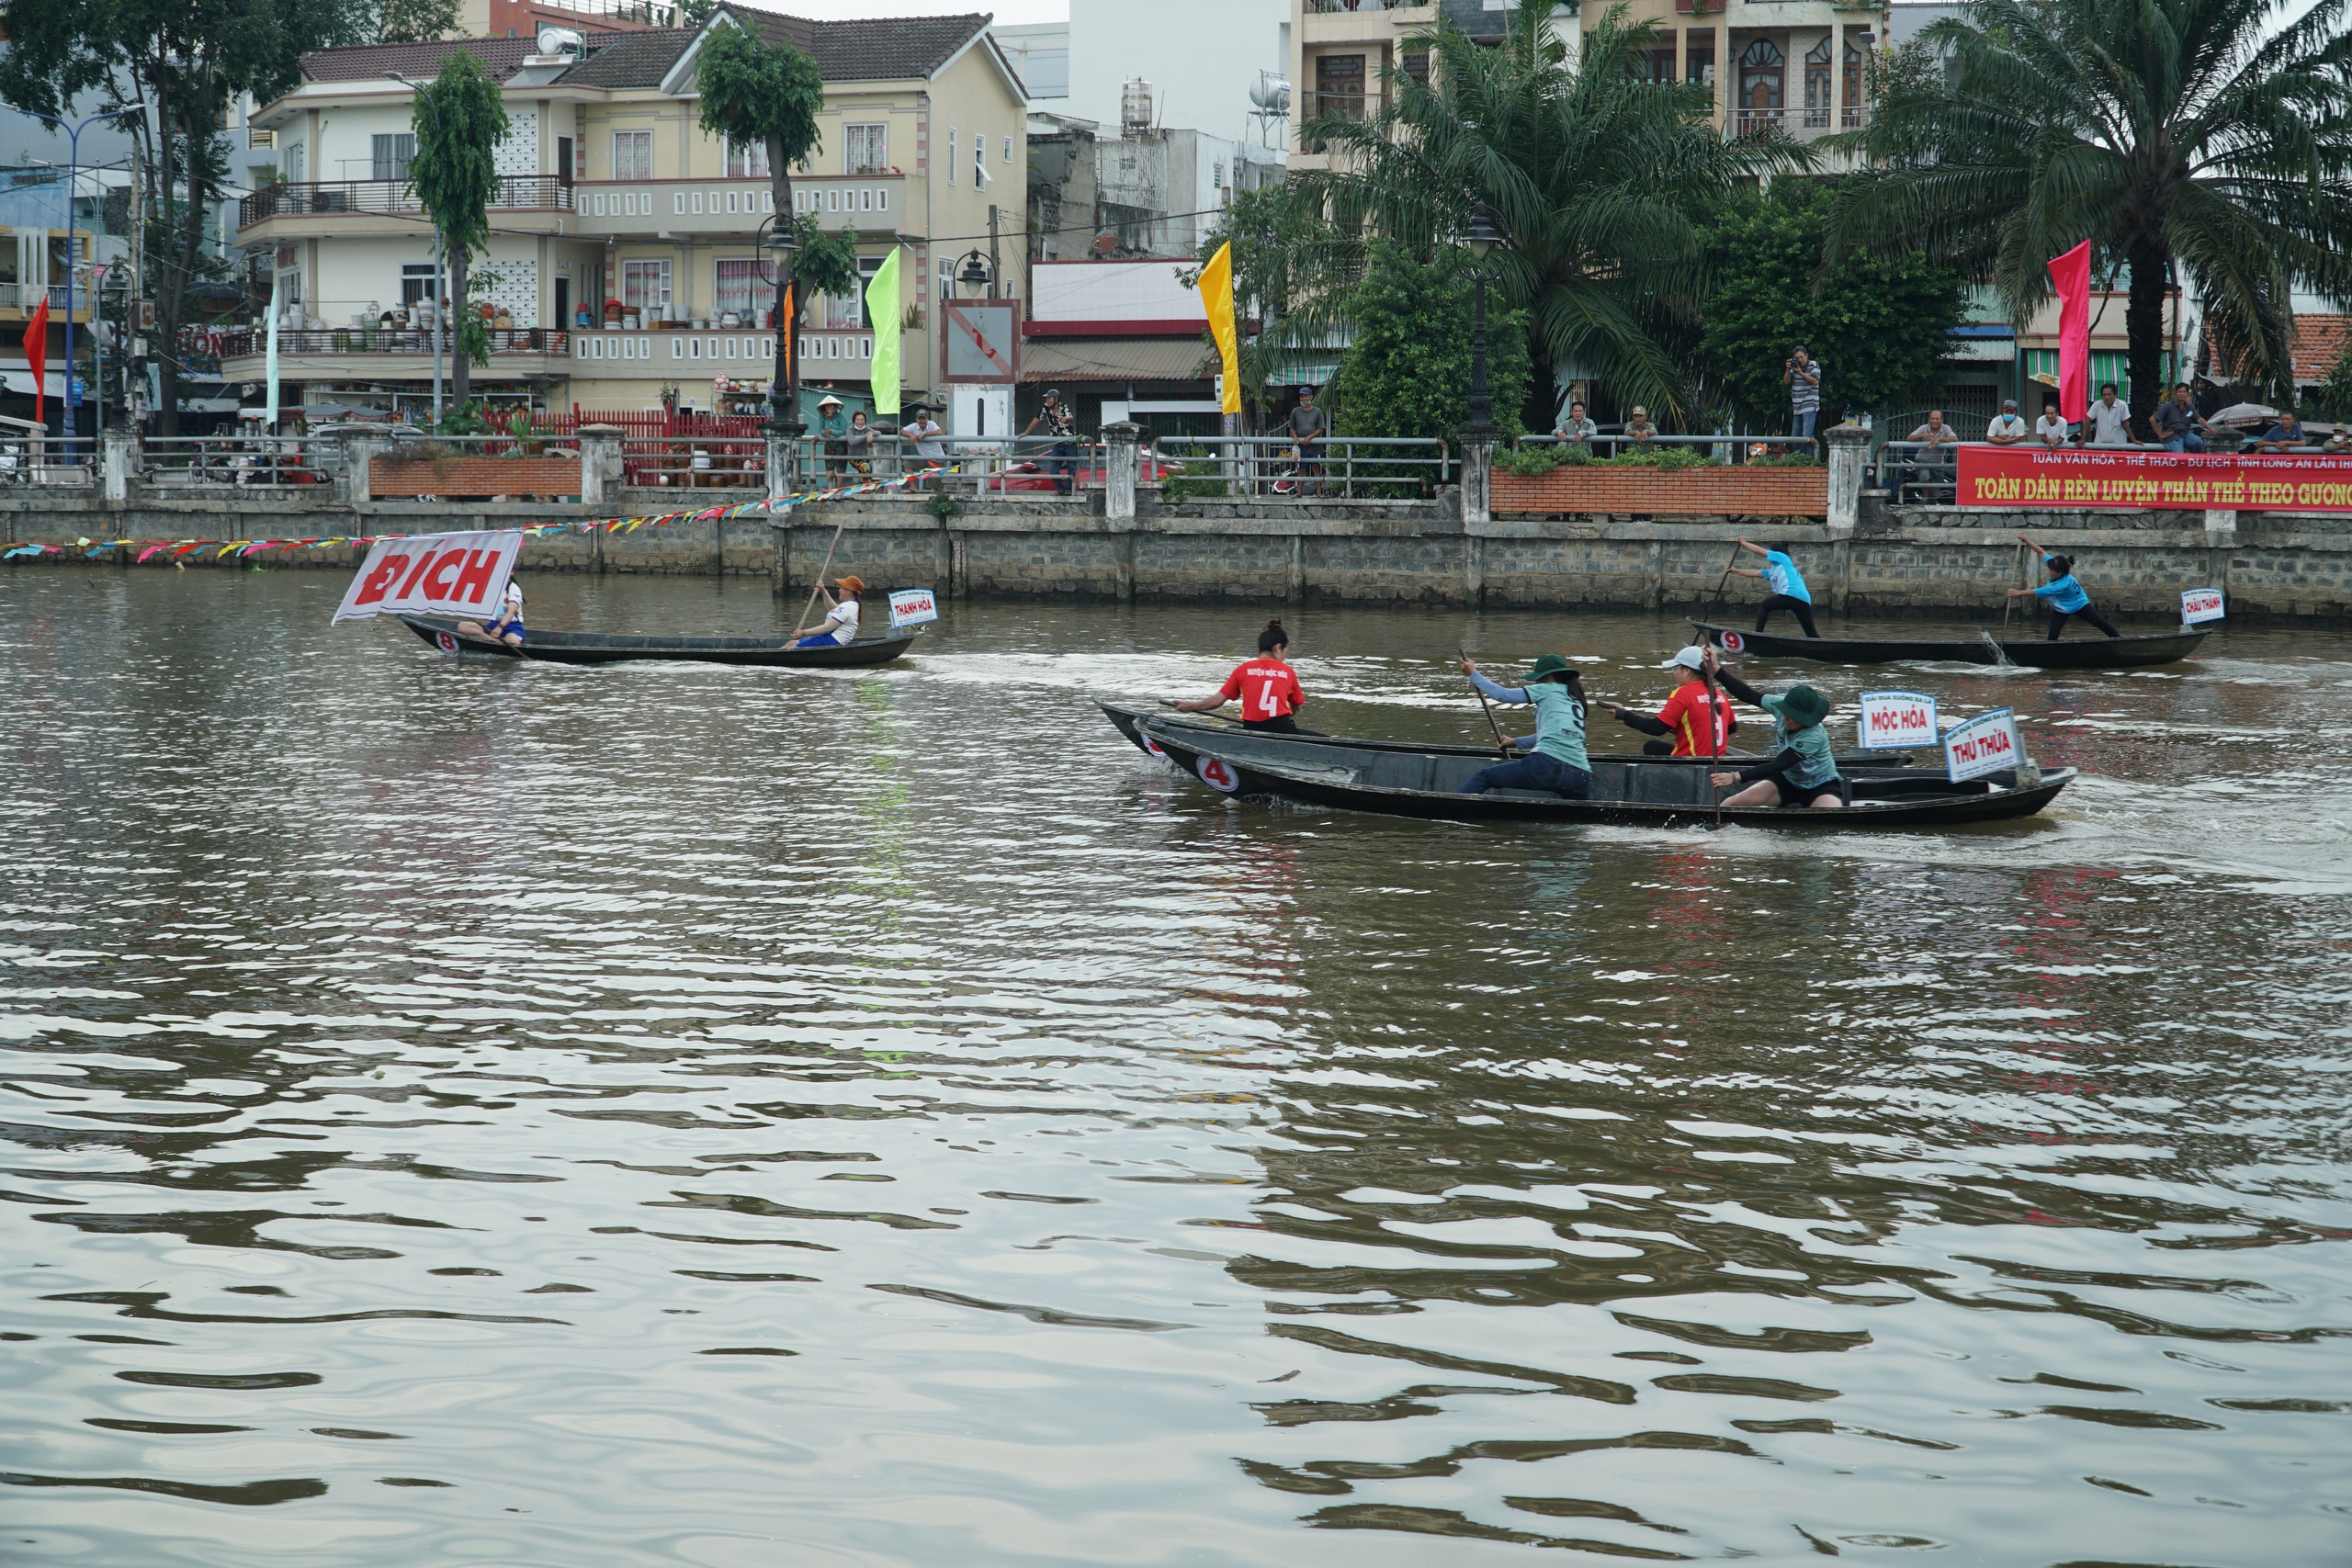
(1714, 609)
(1501, 745)
(1714, 743)
(2005, 600)
(806, 610)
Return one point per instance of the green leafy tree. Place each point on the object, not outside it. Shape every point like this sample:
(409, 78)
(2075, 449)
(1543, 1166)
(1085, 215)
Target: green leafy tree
(460, 122)
(761, 91)
(1408, 369)
(2210, 136)
(189, 60)
(2336, 392)
(1269, 234)
(415, 21)
(1880, 325)
(1599, 180)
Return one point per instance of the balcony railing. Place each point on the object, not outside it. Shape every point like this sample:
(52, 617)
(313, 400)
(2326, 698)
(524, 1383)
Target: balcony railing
(1340, 7)
(525, 193)
(378, 340)
(26, 296)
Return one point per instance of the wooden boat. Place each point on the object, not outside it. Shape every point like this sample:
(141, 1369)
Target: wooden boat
(1639, 791)
(2093, 652)
(1128, 718)
(598, 647)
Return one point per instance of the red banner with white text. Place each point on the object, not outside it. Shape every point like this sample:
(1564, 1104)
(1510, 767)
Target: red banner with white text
(2011, 477)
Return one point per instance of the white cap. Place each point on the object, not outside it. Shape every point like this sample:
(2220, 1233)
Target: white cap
(1691, 658)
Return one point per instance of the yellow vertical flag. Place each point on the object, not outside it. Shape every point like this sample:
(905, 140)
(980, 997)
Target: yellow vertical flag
(1216, 298)
(883, 308)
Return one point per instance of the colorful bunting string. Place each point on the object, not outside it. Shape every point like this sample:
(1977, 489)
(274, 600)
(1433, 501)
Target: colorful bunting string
(243, 547)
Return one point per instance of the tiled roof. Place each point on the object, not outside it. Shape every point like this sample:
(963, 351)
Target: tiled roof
(1115, 359)
(872, 48)
(500, 57)
(632, 60)
(2321, 339)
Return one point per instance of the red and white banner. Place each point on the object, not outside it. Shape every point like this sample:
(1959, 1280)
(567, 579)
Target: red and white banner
(433, 574)
(2009, 476)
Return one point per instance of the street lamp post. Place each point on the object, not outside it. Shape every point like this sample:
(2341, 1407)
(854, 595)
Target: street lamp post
(1480, 241)
(784, 387)
(72, 190)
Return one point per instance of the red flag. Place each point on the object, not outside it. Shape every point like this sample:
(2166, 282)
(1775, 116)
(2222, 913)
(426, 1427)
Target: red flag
(2071, 276)
(37, 356)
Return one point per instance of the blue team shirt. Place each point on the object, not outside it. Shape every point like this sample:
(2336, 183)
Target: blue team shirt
(1782, 574)
(2065, 594)
(1559, 721)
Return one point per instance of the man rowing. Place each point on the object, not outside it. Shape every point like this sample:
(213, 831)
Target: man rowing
(1685, 720)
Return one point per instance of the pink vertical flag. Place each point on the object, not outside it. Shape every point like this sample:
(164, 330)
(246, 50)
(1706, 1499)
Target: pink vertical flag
(2070, 274)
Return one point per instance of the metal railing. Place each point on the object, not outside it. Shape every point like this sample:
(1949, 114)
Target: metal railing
(1351, 468)
(28, 296)
(1922, 473)
(1335, 7)
(174, 462)
(529, 193)
(35, 461)
(247, 342)
(696, 462)
(1721, 448)
(412, 449)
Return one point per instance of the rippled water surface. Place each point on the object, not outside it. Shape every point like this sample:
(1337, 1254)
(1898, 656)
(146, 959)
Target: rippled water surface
(457, 1112)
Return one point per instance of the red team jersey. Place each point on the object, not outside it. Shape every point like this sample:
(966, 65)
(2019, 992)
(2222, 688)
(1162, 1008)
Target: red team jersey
(1685, 715)
(1267, 690)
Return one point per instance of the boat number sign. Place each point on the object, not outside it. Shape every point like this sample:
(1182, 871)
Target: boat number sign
(1733, 642)
(913, 607)
(1150, 745)
(1894, 720)
(1981, 745)
(445, 642)
(2199, 605)
(1217, 774)
(433, 574)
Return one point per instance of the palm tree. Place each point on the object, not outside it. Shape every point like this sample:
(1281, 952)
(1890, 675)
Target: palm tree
(1597, 177)
(2201, 134)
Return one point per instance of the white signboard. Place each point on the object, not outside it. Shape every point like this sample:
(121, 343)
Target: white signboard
(2199, 605)
(1981, 745)
(913, 607)
(1894, 720)
(433, 574)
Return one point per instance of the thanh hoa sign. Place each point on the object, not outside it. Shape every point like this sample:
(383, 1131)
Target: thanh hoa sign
(913, 607)
(1892, 721)
(2182, 482)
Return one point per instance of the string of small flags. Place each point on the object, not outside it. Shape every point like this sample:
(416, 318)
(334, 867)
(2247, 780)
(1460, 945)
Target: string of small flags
(149, 548)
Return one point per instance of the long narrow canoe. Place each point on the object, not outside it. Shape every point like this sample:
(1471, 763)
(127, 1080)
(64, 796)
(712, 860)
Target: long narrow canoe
(598, 647)
(1128, 718)
(1423, 784)
(2091, 652)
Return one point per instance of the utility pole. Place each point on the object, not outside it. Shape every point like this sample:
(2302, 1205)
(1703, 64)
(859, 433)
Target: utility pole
(995, 269)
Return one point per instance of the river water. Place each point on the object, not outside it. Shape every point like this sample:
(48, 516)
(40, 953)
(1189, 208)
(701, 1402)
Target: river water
(458, 1112)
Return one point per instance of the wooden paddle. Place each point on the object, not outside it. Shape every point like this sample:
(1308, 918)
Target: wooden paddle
(809, 608)
(2022, 582)
(1714, 609)
(1501, 745)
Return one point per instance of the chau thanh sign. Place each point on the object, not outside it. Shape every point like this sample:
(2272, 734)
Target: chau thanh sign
(2009, 476)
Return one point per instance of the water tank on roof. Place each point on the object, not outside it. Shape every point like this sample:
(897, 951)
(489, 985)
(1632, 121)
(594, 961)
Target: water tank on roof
(559, 41)
(1271, 94)
(1135, 107)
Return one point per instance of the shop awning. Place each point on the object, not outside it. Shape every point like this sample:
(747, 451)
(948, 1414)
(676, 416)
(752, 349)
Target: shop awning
(1078, 360)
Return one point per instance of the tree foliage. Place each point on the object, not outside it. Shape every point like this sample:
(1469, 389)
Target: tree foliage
(1269, 235)
(191, 60)
(1406, 371)
(459, 120)
(1599, 180)
(756, 93)
(415, 21)
(2214, 136)
(1880, 325)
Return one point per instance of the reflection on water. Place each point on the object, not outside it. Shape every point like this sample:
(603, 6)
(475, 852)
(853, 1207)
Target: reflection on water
(471, 1113)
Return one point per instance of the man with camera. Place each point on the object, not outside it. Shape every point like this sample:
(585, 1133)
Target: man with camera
(1803, 373)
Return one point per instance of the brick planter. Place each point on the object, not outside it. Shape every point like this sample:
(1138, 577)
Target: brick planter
(462, 479)
(1677, 493)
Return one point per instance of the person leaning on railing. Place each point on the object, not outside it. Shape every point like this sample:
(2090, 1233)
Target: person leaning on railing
(1310, 427)
(2177, 426)
(1939, 438)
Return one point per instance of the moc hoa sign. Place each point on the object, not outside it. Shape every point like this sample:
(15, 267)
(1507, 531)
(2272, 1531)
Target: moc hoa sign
(433, 574)
(1893, 721)
(1986, 744)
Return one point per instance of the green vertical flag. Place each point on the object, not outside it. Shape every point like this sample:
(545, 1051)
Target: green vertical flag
(882, 310)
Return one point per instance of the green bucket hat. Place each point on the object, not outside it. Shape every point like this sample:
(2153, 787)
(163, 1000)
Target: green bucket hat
(1801, 707)
(1550, 664)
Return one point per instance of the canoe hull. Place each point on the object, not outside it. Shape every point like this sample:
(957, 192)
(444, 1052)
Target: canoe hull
(590, 647)
(2078, 653)
(1419, 784)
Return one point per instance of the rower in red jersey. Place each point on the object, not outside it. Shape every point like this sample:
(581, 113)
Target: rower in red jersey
(1267, 686)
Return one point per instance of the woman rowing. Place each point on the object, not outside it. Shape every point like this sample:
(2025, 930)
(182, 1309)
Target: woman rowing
(1556, 759)
(1696, 720)
(506, 626)
(1803, 769)
(841, 620)
(2066, 596)
(1267, 686)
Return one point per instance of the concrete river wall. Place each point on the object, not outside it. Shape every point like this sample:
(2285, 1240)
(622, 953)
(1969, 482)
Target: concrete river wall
(2274, 565)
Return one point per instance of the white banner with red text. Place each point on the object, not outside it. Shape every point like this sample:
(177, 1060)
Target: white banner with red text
(433, 574)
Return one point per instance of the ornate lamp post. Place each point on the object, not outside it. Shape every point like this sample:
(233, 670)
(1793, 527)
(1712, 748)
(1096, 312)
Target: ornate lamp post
(784, 388)
(1480, 240)
(974, 273)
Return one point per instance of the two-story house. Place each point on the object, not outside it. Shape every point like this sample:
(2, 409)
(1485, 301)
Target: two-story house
(626, 256)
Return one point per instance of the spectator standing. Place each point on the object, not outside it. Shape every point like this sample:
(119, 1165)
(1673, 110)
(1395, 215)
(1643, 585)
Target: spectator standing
(1803, 373)
(833, 428)
(2007, 430)
(1310, 427)
(1577, 427)
(2177, 424)
(2110, 421)
(2285, 435)
(924, 432)
(2050, 429)
(1639, 430)
(1061, 429)
(1939, 438)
